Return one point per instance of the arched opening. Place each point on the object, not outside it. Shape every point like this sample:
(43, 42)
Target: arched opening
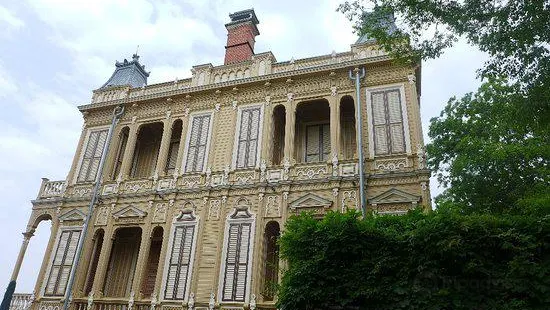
(174, 147)
(312, 133)
(94, 260)
(123, 140)
(271, 260)
(151, 269)
(122, 263)
(348, 143)
(279, 123)
(37, 248)
(147, 150)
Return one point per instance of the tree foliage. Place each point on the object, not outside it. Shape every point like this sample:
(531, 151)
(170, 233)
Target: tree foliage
(491, 147)
(486, 152)
(440, 260)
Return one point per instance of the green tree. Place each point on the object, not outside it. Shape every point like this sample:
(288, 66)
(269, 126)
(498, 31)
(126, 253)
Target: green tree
(492, 147)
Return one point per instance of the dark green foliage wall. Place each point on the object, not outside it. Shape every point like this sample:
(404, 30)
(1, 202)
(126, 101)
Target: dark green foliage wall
(440, 260)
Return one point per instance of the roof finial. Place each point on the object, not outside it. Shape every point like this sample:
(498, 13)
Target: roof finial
(135, 57)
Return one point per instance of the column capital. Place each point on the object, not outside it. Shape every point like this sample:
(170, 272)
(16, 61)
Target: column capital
(28, 235)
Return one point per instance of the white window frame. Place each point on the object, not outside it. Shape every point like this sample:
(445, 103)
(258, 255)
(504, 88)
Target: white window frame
(188, 137)
(83, 151)
(238, 133)
(52, 257)
(252, 221)
(401, 88)
(176, 223)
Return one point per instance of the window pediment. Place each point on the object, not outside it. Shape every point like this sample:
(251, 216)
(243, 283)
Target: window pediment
(393, 196)
(73, 215)
(129, 212)
(310, 201)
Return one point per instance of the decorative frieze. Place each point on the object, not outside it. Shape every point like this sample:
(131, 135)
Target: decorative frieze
(311, 172)
(391, 164)
(273, 206)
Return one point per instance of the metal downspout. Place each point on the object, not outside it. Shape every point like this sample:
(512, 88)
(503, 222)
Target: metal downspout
(117, 114)
(359, 134)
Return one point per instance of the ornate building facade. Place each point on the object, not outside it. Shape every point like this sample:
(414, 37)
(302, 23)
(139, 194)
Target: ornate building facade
(202, 174)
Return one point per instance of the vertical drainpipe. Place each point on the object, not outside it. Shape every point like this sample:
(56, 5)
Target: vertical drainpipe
(117, 114)
(359, 134)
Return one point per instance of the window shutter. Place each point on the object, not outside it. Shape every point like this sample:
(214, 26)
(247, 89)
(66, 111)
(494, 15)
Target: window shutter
(92, 156)
(395, 121)
(196, 150)
(379, 126)
(236, 264)
(172, 157)
(62, 263)
(247, 146)
(180, 259)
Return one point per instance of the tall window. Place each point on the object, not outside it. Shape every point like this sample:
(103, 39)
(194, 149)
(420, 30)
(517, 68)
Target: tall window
(387, 118)
(317, 142)
(247, 142)
(271, 260)
(237, 254)
(180, 260)
(62, 263)
(92, 156)
(197, 146)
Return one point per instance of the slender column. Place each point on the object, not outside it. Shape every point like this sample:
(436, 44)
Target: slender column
(103, 263)
(164, 147)
(111, 157)
(184, 127)
(290, 119)
(141, 263)
(334, 127)
(26, 238)
(267, 132)
(129, 151)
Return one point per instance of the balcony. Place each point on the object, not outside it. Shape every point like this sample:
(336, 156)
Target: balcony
(21, 301)
(51, 189)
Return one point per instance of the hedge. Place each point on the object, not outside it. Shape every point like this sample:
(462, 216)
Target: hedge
(439, 260)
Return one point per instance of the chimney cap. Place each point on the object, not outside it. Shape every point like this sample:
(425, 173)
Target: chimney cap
(243, 17)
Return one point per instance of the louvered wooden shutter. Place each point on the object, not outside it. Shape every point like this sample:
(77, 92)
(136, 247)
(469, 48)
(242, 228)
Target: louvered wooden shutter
(196, 150)
(179, 266)
(379, 124)
(236, 264)
(395, 120)
(92, 156)
(247, 147)
(62, 263)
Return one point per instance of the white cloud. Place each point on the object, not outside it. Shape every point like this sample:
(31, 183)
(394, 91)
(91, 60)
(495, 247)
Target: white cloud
(8, 17)
(7, 83)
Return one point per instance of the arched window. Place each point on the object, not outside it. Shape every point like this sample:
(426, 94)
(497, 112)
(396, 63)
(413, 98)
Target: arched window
(94, 260)
(279, 123)
(150, 276)
(271, 260)
(348, 145)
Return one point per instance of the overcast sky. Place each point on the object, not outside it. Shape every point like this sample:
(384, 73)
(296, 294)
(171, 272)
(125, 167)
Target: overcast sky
(53, 53)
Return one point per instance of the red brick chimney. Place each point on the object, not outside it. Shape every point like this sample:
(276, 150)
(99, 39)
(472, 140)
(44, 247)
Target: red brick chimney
(241, 32)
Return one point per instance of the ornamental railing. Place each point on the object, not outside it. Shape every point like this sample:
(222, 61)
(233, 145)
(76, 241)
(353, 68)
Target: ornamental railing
(21, 301)
(50, 189)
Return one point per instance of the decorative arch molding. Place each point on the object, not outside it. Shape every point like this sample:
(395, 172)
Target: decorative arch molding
(38, 216)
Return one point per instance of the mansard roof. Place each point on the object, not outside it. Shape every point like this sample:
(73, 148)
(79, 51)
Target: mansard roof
(128, 73)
